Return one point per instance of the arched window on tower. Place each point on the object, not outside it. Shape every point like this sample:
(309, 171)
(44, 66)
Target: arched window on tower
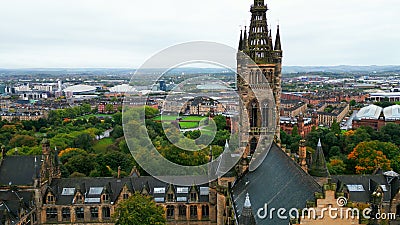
(253, 145)
(258, 76)
(265, 76)
(265, 114)
(270, 77)
(253, 113)
(251, 76)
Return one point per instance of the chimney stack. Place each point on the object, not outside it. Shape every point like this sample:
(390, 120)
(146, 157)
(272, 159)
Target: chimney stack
(3, 151)
(119, 172)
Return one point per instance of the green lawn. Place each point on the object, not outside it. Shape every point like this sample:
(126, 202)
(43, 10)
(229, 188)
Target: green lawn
(184, 118)
(101, 146)
(189, 125)
(96, 115)
(165, 118)
(187, 122)
(192, 118)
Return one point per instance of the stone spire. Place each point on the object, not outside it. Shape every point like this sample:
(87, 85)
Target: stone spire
(278, 46)
(245, 42)
(318, 167)
(227, 148)
(247, 217)
(56, 164)
(241, 41)
(259, 44)
(270, 39)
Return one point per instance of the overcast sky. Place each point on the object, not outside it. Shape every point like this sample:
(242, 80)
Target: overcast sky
(124, 33)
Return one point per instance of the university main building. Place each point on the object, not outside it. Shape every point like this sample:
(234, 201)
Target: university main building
(33, 192)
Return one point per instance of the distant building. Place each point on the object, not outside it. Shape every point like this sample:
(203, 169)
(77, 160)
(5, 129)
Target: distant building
(2, 89)
(22, 116)
(339, 112)
(385, 96)
(376, 117)
(304, 125)
(79, 90)
(195, 106)
(122, 89)
(163, 85)
(292, 108)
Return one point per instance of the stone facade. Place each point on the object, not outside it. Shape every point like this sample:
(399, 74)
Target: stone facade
(338, 114)
(259, 68)
(318, 215)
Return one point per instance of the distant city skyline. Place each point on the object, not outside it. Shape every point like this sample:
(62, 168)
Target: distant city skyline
(124, 33)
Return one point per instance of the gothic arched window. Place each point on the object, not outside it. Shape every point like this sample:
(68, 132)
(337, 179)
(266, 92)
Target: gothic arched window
(253, 145)
(265, 114)
(253, 113)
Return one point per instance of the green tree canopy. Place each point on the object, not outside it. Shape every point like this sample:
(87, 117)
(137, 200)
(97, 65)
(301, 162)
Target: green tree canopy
(139, 210)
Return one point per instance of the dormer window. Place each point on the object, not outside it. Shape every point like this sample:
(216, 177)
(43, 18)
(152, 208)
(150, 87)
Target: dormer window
(105, 198)
(50, 199)
(79, 198)
(125, 196)
(170, 194)
(170, 197)
(193, 197)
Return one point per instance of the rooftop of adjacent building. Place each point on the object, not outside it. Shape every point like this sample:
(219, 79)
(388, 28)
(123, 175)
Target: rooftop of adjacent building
(375, 112)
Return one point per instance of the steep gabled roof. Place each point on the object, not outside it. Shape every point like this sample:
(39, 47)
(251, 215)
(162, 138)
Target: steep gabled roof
(279, 182)
(13, 201)
(19, 170)
(361, 187)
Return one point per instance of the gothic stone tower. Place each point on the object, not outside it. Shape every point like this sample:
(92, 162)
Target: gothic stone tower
(259, 63)
(50, 164)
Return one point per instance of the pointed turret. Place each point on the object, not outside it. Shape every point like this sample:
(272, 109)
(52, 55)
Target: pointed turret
(270, 40)
(278, 46)
(227, 148)
(318, 167)
(245, 40)
(57, 161)
(210, 155)
(247, 217)
(241, 41)
(56, 164)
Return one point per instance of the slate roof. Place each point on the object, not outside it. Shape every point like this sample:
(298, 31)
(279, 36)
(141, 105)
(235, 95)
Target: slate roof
(278, 182)
(11, 202)
(369, 184)
(114, 187)
(19, 170)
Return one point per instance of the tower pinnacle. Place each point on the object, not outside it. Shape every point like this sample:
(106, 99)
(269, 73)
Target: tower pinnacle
(259, 43)
(318, 166)
(241, 41)
(247, 202)
(278, 41)
(247, 216)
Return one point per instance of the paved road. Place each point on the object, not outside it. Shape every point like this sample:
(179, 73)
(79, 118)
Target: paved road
(349, 123)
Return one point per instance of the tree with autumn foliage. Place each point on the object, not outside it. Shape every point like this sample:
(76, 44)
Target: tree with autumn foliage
(369, 155)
